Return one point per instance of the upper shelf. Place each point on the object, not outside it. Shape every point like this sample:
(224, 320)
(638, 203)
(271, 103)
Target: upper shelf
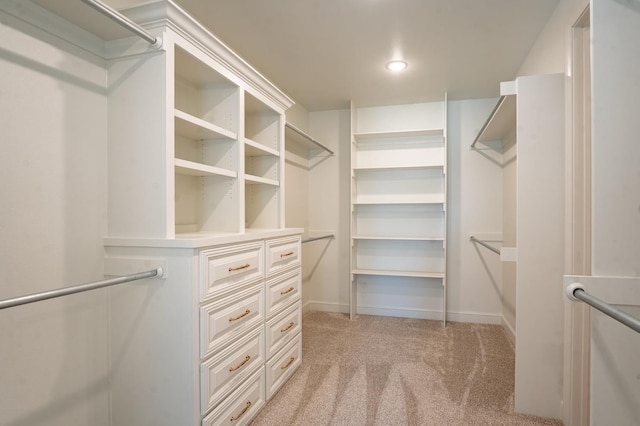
(297, 136)
(501, 121)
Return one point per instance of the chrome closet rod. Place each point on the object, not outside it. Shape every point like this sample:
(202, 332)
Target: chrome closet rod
(123, 21)
(308, 240)
(482, 243)
(618, 315)
(23, 300)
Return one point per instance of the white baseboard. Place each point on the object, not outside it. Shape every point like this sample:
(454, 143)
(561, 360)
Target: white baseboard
(509, 331)
(469, 317)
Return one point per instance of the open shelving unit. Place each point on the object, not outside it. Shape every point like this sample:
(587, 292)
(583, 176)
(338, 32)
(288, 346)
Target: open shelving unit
(398, 197)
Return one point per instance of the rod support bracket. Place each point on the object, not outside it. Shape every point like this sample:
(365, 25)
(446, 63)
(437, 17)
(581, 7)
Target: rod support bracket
(570, 289)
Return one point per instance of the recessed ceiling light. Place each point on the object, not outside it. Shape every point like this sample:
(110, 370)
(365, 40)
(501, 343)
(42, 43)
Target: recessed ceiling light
(397, 65)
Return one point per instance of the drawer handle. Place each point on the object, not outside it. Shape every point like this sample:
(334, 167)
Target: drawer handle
(244, 410)
(288, 364)
(289, 290)
(288, 327)
(244, 314)
(286, 254)
(237, 268)
(246, 359)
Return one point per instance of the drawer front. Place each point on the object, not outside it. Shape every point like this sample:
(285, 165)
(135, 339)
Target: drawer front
(221, 374)
(227, 319)
(283, 365)
(242, 405)
(282, 328)
(226, 268)
(283, 291)
(283, 253)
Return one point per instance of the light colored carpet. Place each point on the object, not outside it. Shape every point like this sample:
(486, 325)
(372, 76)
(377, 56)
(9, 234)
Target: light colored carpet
(398, 371)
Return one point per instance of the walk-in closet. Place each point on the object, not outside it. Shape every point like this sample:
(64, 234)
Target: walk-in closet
(311, 213)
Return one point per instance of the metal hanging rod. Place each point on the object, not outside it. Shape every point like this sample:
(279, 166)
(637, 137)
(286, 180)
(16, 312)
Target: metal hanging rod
(123, 21)
(482, 243)
(308, 240)
(576, 291)
(23, 300)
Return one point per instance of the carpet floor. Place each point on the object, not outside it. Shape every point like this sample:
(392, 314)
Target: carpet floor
(398, 371)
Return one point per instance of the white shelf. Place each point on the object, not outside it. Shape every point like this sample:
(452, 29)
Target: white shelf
(257, 180)
(389, 238)
(198, 129)
(436, 199)
(398, 134)
(255, 149)
(388, 273)
(190, 168)
(400, 167)
(501, 121)
(296, 136)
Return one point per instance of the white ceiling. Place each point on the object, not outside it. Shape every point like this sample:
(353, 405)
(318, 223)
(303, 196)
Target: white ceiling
(325, 53)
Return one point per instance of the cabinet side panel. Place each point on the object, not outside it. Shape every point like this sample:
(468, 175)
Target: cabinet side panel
(137, 157)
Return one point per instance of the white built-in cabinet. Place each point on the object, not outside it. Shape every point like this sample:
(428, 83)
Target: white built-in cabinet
(196, 184)
(398, 202)
(196, 139)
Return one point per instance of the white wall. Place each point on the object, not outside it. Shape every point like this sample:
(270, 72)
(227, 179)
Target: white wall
(53, 356)
(549, 53)
(475, 207)
(326, 262)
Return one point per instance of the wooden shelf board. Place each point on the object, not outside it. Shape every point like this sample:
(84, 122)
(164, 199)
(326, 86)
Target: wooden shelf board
(257, 180)
(388, 273)
(297, 136)
(413, 167)
(435, 239)
(501, 121)
(255, 149)
(398, 134)
(191, 168)
(199, 129)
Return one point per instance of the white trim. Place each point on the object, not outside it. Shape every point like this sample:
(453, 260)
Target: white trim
(436, 315)
(509, 331)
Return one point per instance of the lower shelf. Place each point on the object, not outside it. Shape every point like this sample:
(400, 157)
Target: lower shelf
(389, 273)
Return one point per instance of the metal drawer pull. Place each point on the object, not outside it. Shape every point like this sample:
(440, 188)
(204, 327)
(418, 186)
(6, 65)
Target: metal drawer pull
(237, 268)
(286, 254)
(289, 290)
(288, 364)
(244, 314)
(244, 410)
(288, 327)
(246, 359)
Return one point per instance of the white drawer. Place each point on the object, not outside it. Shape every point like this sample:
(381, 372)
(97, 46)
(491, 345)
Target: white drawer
(282, 328)
(242, 405)
(228, 318)
(224, 269)
(283, 253)
(282, 291)
(283, 365)
(224, 372)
